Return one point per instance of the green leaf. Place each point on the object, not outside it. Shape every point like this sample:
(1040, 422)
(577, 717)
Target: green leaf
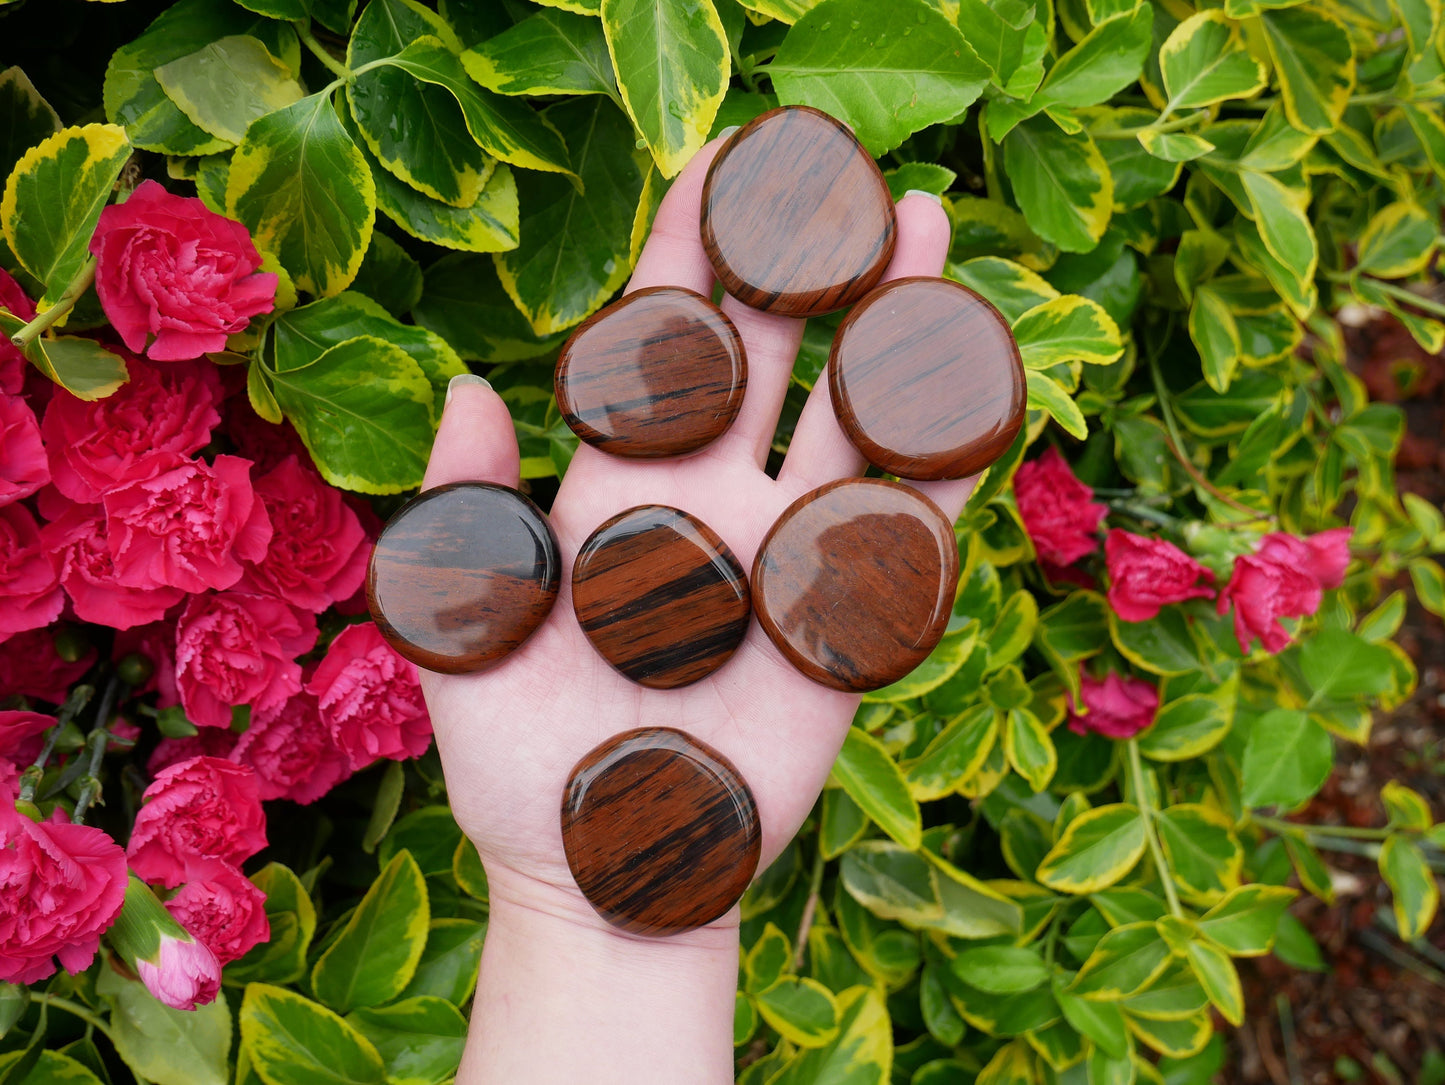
(672, 65)
(1098, 848)
(225, 85)
(1205, 858)
(389, 276)
(166, 1046)
(1101, 1022)
(1417, 896)
(1162, 645)
(874, 781)
(1398, 241)
(1287, 756)
(25, 118)
(1029, 749)
(1173, 994)
(1125, 961)
(1047, 394)
(1243, 923)
(419, 1039)
(891, 882)
(488, 225)
(373, 958)
(282, 959)
(801, 1009)
(1429, 582)
(1186, 728)
(82, 367)
(745, 1019)
(843, 822)
(49, 1067)
(290, 1040)
(954, 754)
(1013, 630)
(551, 52)
(1070, 632)
(575, 251)
(1204, 60)
(1067, 329)
(938, 667)
(448, 965)
(373, 434)
(1001, 970)
(1338, 664)
(1174, 146)
(1217, 975)
(767, 960)
(860, 1054)
(134, 98)
(463, 302)
(886, 70)
(430, 834)
(1315, 65)
(1062, 183)
(54, 197)
(305, 192)
(1407, 808)
(1216, 336)
(1011, 288)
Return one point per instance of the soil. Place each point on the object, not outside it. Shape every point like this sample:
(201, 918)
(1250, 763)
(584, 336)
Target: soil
(1377, 1011)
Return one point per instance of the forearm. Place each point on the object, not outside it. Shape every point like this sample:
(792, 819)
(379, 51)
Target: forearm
(562, 998)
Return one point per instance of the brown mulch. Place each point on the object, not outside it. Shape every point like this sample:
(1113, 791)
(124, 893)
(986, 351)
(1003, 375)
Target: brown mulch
(1377, 1014)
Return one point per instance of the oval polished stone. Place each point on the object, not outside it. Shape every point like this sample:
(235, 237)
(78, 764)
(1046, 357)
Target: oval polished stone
(660, 373)
(660, 831)
(855, 582)
(796, 217)
(462, 575)
(660, 596)
(927, 381)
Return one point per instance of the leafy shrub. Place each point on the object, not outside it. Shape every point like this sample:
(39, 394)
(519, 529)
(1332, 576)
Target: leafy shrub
(1167, 203)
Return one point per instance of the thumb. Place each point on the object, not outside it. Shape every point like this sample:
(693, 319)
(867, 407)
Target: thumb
(475, 441)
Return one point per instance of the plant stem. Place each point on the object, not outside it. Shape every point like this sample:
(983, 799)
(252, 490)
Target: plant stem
(1141, 796)
(810, 909)
(303, 31)
(1290, 828)
(1161, 125)
(63, 304)
(77, 700)
(95, 749)
(75, 1009)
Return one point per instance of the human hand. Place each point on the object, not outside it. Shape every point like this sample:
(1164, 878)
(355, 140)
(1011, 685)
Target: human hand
(509, 736)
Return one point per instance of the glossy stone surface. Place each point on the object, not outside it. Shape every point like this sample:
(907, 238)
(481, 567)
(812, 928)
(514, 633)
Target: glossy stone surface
(855, 581)
(660, 373)
(660, 596)
(927, 380)
(796, 217)
(660, 831)
(462, 575)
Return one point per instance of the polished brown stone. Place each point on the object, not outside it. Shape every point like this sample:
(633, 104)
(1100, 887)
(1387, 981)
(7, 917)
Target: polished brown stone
(660, 373)
(660, 596)
(796, 217)
(660, 831)
(462, 575)
(927, 381)
(855, 582)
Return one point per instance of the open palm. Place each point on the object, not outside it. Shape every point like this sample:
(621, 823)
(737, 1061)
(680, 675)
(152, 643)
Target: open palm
(509, 736)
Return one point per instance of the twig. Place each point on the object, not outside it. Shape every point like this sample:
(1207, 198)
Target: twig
(810, 909)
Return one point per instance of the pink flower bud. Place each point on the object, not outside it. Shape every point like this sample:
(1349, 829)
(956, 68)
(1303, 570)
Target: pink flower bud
(184, 975)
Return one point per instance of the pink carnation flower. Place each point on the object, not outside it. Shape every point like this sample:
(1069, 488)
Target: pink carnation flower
(1324, 556)
(94, 446)
(61, 886)
(20, 732)
(186, 524)
(222, 909)
(1146, 574)
(236, 649)
(204, 808)
(31, 667)
(1262, 592)
(292, 752)
(1057, 509)
(1118, 707)
(184, 975)
(77, 539)
(318, 551)
(12, 363)
(371, 698)
(30, 595)
(23, 466)
(170, 267)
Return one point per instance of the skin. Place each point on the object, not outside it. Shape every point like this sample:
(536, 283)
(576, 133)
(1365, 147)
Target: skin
(562, 996)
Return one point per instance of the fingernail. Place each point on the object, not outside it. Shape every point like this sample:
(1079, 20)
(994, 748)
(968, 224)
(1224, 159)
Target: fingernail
(465, 378)
(729, 130)
(935, 197)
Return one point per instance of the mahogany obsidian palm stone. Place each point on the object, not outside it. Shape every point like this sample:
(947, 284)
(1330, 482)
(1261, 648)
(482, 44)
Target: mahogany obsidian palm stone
(660, 596)
(660, 373)
(660, 831)
(927, 381)
(855, 582)
(462, 575)
(796, 217)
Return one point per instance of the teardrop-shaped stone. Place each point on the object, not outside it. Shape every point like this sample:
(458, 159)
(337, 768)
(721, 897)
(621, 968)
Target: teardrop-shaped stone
(660, 831)
(927, 381)
(855, 581)
(660, 373)
(462, 575)
(796, 217)
(660, 596)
